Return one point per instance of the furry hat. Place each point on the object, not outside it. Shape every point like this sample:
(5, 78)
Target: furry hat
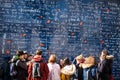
(89, 62)
(111, 57)
(68, 69)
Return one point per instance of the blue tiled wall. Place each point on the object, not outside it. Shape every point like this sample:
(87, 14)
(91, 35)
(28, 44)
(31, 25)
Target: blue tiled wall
(65, 27)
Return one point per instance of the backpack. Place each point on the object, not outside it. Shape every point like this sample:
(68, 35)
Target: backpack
(36, 73)
(13, 69)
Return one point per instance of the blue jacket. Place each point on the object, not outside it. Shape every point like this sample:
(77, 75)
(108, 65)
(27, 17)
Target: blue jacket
(90, 73)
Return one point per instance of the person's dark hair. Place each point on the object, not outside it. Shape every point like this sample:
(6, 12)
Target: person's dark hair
(20, 52)
(30, 55)
(67, 61)
(39, 52)
(25, 52)
(105, 52)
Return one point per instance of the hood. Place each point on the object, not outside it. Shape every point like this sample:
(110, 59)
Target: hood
(111, 57)
(89, 62)
(37, 58)
(68, 69)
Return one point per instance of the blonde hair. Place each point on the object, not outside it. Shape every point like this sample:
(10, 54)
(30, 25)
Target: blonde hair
(91, 60)
(52, 58)
(80, 57)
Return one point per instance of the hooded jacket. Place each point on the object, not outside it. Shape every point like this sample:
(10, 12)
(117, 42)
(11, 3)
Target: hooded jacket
(105, 68)
(67, 71)
(43, 68)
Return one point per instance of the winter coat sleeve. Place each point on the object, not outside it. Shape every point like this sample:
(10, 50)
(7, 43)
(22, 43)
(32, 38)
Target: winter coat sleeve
(21, 64)
(30, 71)
(46, 69)
(102, 67)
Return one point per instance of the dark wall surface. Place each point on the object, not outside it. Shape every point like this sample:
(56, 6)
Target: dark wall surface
(65, 27)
